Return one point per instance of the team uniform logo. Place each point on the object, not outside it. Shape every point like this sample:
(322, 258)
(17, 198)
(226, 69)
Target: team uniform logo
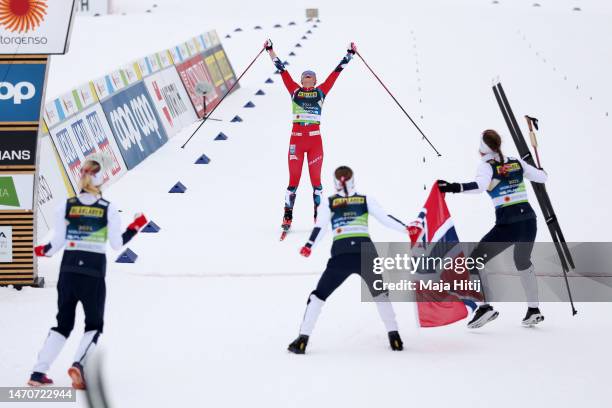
(22, 16)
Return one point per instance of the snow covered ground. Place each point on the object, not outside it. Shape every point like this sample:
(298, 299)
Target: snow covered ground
(204, 316)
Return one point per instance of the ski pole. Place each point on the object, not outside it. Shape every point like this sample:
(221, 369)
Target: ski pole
(398, 104)
(224, 96)
(533, 123)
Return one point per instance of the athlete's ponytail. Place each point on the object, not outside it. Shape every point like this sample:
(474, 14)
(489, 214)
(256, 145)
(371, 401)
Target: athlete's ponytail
(343, 174)
(492, 139)
(90, 175)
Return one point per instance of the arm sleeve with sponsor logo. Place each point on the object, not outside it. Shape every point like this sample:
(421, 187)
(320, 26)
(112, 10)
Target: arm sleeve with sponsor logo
(290, 84)
(321, 227)
(59, 231)
(385, 219)
(115, 236)
(533, 174)
(484, 175)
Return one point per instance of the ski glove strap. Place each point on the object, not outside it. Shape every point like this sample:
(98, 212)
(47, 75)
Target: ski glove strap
(279, 64)
(469, 186)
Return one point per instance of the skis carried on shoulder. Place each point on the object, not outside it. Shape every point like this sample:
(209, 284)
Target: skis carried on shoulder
(565, 256)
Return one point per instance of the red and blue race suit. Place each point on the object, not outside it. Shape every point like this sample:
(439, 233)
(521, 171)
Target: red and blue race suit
(307, 106)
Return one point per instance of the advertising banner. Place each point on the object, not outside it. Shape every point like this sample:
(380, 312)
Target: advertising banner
(171, 100)
(86, 135)
(35, 26)
(215, 72)
(135, 124)
(21, 90)
(226, 69)
(192, 72)
(92, 7)
(6, 243)
(53, 186)
(18, 147)
(16, 191)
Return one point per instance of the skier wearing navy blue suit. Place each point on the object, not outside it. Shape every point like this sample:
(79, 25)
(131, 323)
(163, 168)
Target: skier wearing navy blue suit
(515, 221)
(83, 226)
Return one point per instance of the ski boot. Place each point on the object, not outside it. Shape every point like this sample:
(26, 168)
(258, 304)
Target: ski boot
(533, 317)
(287, 219)
(298, 346)
(77, 375)
(39, 380)
(396, 341)
(483, 315)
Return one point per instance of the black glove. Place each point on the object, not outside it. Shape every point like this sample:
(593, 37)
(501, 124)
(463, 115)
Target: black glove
(447, 187)
(352, 48)
(268, 45)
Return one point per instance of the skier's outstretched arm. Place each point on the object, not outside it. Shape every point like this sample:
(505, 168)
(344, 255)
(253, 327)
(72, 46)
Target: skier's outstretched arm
(59, 234)
(118, 238)
(533, 173)
(484, 175)
(327, 85)
(290, 84)
(319, 230)
(383, 217)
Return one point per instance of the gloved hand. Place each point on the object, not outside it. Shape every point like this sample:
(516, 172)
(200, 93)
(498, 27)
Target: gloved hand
(305, 251)
(41, 250)
(352, 48)
(446, 187)
(139, 221)
(268, 44)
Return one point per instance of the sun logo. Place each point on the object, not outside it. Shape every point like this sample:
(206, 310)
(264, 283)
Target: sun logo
(22, 15)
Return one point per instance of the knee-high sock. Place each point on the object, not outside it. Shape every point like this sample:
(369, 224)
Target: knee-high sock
(386, 312)
(51, 348)
(86, 346)
(313, 310)
(530, 284)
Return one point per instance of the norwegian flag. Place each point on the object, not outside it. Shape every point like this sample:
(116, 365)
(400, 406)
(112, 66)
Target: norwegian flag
(434, 226)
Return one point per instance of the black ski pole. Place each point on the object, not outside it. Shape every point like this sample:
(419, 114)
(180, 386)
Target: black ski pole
(399, 104)
(229, 91)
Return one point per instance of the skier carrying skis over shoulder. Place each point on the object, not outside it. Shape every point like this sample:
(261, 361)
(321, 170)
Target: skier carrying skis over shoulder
(515, 221)
(347, 213)
(307, 102)
(83, 225)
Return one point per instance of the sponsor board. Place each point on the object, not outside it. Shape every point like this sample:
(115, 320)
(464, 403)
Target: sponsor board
(180, 53)
(131, 73)
(171, 100)
(21, 91)
(6, 243)
(135, 124)
(18, 147)
(192, 72)
(85, 135)
(53, 186)
(69, 104)
(35, 26)
(92, 7)
(226, 69)
(215, 72)
(16, 192)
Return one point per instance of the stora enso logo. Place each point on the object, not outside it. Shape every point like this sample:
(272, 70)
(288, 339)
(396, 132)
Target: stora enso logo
(22, 16)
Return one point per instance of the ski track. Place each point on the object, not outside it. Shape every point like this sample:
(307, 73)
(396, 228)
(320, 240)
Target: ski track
(187, 341)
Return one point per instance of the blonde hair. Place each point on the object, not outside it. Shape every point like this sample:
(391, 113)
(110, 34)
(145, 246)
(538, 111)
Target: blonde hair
(89, 168)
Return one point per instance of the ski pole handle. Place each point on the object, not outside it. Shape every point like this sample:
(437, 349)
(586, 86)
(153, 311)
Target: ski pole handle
(532, 136)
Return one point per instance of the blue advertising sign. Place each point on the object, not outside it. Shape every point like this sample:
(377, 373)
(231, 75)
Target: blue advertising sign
(135, 123)
(21, 91)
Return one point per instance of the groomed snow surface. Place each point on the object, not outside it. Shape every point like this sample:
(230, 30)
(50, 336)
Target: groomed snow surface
(204, 316)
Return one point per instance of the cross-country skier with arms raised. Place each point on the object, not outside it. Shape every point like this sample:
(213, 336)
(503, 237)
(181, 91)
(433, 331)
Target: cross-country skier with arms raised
(307, 104)
(515, 221)
(83, 225)
(347, 214)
